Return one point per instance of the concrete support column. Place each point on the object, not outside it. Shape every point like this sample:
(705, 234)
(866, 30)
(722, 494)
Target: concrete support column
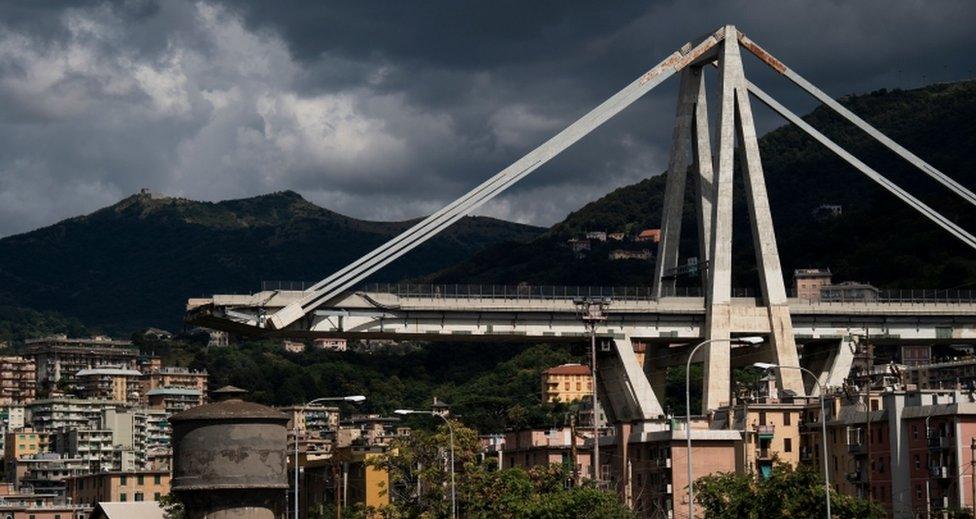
(627, 388)
(704, 174)
(837, 366)
(718, 314)
(674, 189)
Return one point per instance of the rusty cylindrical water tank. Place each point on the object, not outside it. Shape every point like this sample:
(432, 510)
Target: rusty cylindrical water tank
(229, 459)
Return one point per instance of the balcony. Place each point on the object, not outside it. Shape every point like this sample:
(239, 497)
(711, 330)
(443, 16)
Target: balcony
(940, 503)
(764, 454)
(765, 432)
(939, 442)
(857, 449)
(663, 463)
(806, 454)
(939, 472)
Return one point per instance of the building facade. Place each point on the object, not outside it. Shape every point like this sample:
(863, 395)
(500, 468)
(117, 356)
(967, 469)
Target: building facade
(18, 380)
(118, 486)
(566, 383)
(58, 357)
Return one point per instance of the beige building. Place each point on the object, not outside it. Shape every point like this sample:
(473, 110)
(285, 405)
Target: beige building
(566, 383)
(808, 282)
(109, 383)
(18, 380)
(118, 486)
(177, 377)
(330, 344)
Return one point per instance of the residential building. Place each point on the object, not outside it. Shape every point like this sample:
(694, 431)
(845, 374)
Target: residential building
(18, 380)
(174, 399)
(53, 414)
(617, 236)
(596, 235)
(109, 383)
(118, 486)
(566, 383)
(31, 510)
(330, 344)
(649, 235)
(949, 374)
(916, 355)
(20, 444)
(46, 471)
(531, 447)
(371, 429)
(58, 357)
(171, 376)
(623, 254)
(293, 346)
(347, 477)
(808, 282)
(770, 427)
(314, 418)
(579, 247)
(13, 417)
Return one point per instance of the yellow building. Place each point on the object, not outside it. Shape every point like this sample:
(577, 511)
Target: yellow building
(566, 383)
(347, 477)
(109, 383)
(118, 486)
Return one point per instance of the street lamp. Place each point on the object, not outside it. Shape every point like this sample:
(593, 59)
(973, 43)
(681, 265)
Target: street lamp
(755, 341)
(450, 430)
(355, 399)
(823, 421)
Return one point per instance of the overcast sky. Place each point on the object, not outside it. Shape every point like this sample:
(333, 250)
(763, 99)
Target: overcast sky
(390, 110)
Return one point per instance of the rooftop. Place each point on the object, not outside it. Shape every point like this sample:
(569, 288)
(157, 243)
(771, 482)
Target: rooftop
(568, 369)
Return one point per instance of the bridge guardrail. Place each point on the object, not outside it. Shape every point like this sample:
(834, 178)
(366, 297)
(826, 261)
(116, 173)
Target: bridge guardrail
(622, 293)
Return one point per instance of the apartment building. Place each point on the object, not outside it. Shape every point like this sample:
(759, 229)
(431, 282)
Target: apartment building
(58, 357)
(312, 418)
(176, 377)
(109, 383)
(118, 486)
(532, 447)
(807, 283)
(911, 451)
(21, 444)
(46, 471)
(18, 380)
(174, 399)
(53, 414)
(566, 383)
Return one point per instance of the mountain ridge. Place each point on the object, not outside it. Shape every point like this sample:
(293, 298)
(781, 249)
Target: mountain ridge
(134, 263)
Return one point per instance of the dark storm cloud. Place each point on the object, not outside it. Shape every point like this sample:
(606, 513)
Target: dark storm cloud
(389, 110)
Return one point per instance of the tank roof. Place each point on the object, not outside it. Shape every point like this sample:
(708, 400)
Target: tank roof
(232, 409)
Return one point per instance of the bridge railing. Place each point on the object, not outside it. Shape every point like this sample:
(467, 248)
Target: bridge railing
(616, 293)
(902, 296)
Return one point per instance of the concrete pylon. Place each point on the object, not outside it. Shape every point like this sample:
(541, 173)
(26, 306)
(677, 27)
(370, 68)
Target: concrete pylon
(714, 181)
(626, 387)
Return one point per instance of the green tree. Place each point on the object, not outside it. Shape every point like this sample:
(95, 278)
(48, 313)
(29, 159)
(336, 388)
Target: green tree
(787, 493)
(420, 484)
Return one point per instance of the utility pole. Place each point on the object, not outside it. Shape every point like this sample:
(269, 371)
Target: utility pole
(573, 455)
(591, 312)
(972, 471)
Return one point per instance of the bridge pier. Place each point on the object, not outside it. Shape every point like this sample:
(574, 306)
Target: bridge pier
(626, 387)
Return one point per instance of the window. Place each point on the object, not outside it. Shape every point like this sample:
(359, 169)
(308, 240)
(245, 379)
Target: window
(141, 480)
(917, 464)
(787, 444)
(786, 418)
(156, 496)
(139, 496)
(123, 498)
(762, 417)
(157, 479)
(122, 480)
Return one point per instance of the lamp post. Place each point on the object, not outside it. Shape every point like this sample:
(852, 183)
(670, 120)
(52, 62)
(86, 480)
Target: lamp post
(450, 431)
(691, 479)
(823, 422)
(591, 312)
(352, 398)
